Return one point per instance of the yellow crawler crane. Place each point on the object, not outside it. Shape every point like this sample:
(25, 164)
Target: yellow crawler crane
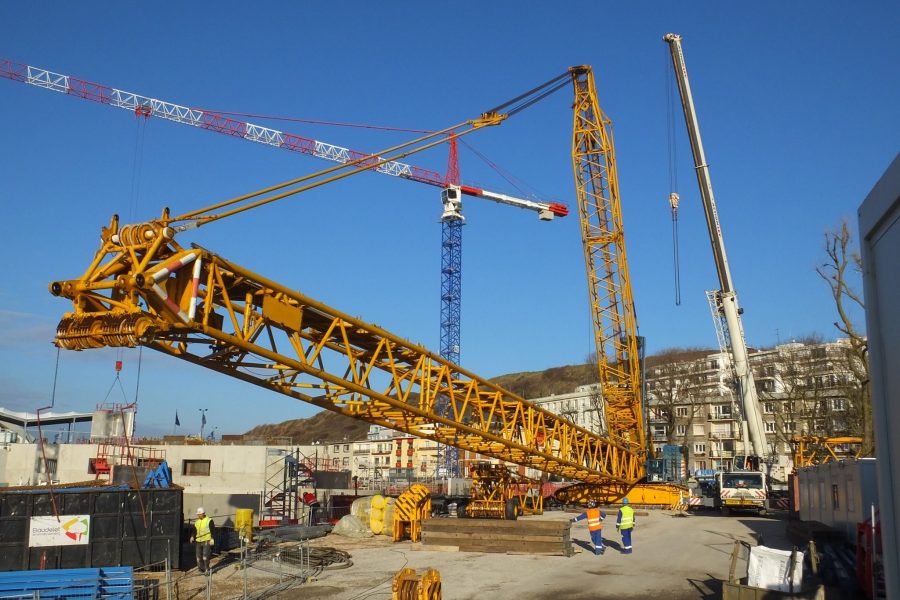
(143, 287)
(612, 302)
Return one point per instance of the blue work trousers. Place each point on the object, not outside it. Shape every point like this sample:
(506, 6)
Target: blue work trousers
(597, 538)
(626, 540)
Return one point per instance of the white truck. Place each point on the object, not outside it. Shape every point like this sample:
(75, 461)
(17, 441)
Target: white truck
(743, 490)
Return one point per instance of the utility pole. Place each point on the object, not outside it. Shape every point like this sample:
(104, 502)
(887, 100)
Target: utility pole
(202, 420)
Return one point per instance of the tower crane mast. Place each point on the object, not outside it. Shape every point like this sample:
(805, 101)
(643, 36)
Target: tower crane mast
(726, 297)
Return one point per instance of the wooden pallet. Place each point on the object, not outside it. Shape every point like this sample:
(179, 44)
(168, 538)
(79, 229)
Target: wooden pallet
(523, 536)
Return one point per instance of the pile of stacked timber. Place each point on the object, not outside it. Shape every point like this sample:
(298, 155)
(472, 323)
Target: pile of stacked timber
(523, 536)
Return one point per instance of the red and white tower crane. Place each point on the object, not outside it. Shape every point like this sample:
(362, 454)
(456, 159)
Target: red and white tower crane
(452, 189)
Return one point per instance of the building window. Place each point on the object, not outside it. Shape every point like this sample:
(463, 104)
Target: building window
(790, 427)
(839, 404)
(681, 429)
(699, 429)
(835, 497)
(336, 448)
(699, 448)
(769, 408)
(681, 411)
(714, 364)
(771, 427)
(195, 467)
(346, 461)
(346, 447)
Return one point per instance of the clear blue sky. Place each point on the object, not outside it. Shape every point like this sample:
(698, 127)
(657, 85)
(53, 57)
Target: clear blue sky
(797, 104)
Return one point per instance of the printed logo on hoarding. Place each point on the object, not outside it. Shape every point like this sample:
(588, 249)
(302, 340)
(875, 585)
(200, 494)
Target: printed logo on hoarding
(76, 528)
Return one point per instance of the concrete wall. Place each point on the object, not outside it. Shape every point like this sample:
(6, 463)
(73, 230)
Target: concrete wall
(879, 232)
(838, 494)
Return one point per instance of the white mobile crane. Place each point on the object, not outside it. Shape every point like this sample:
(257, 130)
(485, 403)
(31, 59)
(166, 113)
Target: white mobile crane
(746, 486)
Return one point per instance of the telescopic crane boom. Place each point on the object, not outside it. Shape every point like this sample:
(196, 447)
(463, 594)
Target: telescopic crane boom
(727, 300)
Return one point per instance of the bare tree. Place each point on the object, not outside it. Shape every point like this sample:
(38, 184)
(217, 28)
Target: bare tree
(673, 403)
(809, 392)
(841, 270)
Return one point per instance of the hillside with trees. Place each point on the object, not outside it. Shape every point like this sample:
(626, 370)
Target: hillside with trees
(328, 426)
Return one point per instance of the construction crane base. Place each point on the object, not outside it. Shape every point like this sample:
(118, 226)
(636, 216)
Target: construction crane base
(659, 495)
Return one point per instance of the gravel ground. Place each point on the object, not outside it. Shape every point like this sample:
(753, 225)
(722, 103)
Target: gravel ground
(675, 556)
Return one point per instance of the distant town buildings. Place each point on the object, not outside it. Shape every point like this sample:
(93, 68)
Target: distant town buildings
(804, 389)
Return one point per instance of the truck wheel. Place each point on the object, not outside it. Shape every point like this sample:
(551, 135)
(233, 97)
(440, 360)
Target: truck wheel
(726, 511)
(512, 509)
(461, 510)
(763, 511)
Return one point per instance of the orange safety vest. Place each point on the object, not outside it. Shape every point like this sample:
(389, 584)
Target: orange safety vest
(595, 521)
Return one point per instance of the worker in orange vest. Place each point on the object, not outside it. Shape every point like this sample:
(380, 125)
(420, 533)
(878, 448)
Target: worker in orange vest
(595, 518)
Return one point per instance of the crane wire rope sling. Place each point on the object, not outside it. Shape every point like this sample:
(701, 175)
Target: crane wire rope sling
(672, 159)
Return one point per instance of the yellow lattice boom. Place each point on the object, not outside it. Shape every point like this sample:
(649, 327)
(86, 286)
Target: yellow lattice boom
(195, 305)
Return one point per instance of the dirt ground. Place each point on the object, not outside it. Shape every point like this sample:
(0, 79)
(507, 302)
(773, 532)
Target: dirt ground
(675, 556)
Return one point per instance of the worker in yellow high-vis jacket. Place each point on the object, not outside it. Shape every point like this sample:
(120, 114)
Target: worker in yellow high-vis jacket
(625, 524)
(203, 539)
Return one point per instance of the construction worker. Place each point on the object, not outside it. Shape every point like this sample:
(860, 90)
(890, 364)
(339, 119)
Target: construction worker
(594, 518)
(625, 524)
(203, 540)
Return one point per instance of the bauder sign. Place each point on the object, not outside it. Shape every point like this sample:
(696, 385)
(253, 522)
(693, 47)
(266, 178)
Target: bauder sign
(68, 530)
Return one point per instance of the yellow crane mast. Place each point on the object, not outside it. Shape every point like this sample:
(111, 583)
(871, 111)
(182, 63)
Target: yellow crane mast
(609, 287)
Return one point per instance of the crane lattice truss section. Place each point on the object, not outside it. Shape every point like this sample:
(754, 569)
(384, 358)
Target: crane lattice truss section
(612, 304)
(143, 288)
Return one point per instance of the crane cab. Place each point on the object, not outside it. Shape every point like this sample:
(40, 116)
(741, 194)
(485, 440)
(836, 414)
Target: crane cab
(451, 198)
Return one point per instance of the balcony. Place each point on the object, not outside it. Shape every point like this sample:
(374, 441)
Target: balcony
(715, 416)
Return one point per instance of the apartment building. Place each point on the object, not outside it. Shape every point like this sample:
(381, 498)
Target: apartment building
(803, 388)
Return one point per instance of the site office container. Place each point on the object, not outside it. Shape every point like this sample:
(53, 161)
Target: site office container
(119, 534)
(839, 494)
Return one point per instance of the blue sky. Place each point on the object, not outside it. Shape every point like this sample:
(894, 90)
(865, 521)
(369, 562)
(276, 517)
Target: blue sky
(797, 105)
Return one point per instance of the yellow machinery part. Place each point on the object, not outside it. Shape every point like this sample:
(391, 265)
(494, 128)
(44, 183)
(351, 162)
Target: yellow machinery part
(498, 493)
(811, 450)
(243, 523)
(409, 585)
(662, 495)
(411, 508)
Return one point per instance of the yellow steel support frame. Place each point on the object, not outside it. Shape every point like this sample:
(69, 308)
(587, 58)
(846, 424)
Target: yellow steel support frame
(411, 508)
(612, 304)
(143, 288)
(811, 450)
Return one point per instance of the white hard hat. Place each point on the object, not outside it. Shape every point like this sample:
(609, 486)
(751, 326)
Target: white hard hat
(200, 511)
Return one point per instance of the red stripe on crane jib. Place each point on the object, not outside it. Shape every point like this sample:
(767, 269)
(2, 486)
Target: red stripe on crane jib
(558, 209)
(471, 191)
